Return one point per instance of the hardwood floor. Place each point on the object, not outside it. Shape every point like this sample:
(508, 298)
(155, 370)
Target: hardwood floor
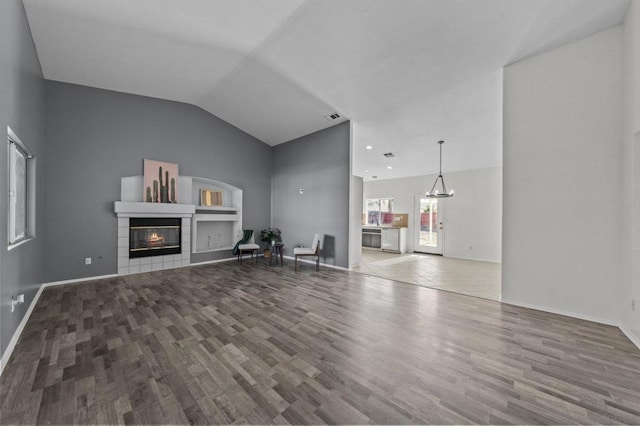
(230, 343)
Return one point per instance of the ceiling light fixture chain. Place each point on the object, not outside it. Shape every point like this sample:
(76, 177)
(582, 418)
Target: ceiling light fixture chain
(434, 193)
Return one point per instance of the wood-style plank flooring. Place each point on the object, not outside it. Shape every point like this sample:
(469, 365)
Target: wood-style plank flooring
(230, 343)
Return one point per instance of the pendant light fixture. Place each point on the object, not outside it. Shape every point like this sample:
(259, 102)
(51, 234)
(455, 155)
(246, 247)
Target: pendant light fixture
(434, 193)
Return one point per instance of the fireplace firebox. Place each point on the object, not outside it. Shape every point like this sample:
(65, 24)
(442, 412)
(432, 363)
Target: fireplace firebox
(154, 236)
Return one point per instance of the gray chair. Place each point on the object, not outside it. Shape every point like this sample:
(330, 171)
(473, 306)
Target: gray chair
(314, 250)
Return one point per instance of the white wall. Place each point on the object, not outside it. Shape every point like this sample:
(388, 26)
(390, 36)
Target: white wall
(562, 161)
(473, 216)
(631, 174)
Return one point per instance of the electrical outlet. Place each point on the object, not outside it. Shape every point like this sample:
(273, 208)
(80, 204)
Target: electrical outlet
(87, 261)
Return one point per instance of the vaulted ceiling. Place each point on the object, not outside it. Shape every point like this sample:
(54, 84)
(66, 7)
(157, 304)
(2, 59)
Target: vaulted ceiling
(406, 72)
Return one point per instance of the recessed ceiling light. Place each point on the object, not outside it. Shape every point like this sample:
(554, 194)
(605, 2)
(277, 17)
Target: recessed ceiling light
(366, 171)
(389, 167)
(369, 147)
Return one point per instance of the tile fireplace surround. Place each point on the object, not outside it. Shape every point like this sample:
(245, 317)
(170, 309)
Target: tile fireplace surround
(127, 210)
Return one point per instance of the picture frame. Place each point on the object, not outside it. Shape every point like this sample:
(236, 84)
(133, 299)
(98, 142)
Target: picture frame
(160, 182)
(211, 198)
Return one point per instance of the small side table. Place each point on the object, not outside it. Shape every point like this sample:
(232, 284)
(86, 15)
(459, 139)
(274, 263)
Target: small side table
(276, 250)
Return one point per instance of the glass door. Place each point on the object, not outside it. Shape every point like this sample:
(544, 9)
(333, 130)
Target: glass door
(429, 225)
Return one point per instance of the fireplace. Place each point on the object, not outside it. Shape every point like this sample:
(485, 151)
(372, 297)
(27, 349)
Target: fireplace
(154, 236)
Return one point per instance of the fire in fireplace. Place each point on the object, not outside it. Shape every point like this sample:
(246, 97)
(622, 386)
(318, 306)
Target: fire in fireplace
(154, 236)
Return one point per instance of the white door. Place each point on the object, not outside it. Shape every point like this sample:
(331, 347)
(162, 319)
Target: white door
(429, 225)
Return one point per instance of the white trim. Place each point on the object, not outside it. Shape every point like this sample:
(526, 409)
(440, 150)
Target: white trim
(207, 262)
(16, 335)
(18, 243)
(78, 280)
(472, 258)
(15, 139)
(561, 312)
(634, 339)
(135, 209)
(341, 268)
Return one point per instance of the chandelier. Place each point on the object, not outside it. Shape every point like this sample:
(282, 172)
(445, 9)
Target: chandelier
(434, 193)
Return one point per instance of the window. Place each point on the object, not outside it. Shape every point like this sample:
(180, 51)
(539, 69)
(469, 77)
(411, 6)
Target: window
(379, 211)
(20, 190)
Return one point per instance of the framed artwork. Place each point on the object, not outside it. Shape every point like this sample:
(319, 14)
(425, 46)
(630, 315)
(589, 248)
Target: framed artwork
(160, 182)
(209, 197)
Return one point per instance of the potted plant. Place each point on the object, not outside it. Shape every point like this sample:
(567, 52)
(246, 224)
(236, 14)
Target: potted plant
(270, 236)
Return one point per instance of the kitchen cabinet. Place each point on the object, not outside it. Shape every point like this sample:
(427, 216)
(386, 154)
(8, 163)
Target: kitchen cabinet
(371, 238)
(394, 239)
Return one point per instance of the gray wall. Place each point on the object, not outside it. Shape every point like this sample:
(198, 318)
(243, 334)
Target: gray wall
(22, 108)
(356, 194)
(319, 164)
(94, 137)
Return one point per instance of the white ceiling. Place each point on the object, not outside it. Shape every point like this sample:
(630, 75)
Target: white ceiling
(406, 72)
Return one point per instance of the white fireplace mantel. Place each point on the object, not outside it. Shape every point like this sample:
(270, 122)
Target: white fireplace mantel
(137, 209)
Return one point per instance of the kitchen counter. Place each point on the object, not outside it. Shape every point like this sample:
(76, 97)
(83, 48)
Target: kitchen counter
(386, 238)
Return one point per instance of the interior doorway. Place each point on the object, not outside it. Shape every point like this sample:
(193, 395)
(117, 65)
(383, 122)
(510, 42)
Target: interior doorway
(468, 246)
(435, 255)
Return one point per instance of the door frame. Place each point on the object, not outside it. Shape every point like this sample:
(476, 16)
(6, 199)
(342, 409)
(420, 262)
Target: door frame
(439, 248)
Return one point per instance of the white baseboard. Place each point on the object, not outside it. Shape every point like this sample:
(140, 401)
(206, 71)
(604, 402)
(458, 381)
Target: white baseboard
(634, 339)
(78, 280)
(326, 265)
(16, 335)
(285, 257)
(562, 312)
(472, 258)
(208, 262)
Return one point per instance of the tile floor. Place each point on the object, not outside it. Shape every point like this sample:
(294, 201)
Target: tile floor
(470, 277)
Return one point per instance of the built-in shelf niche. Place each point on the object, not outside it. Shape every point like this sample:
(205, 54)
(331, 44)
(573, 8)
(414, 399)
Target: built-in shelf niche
(215, 228)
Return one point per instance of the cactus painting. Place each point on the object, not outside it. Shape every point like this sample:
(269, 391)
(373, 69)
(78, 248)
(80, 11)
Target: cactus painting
(160, 182)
